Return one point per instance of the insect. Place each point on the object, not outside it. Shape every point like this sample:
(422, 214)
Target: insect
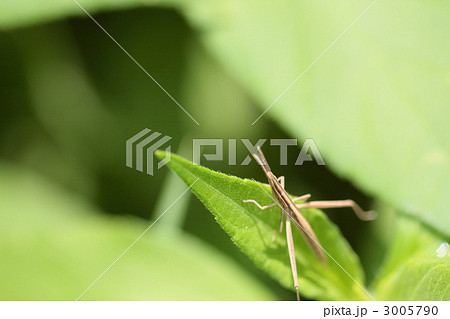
(291, 210)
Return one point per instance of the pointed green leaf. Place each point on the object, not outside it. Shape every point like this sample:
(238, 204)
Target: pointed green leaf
(251, 229)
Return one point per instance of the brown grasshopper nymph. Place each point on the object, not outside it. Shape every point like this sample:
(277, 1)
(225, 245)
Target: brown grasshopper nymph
(291, 210)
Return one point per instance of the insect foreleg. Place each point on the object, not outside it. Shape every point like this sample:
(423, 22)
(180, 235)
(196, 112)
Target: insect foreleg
(303, 198)
(281, 226)
(257, 204)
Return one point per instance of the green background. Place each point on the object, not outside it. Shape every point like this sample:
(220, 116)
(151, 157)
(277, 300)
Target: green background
(376, 104)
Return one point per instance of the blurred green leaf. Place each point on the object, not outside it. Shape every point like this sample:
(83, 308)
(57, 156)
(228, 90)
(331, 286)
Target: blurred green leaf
(15, 13)
(54, 245)
(251, 229)
(170, 189)
(376, 104)
(76, 94)
(418, 279)
(412, 269)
